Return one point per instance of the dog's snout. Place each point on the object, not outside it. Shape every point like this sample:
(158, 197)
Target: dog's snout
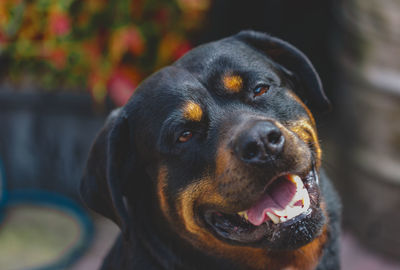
(260, 142)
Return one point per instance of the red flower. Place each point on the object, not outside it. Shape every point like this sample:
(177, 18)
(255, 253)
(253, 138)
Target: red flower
(127, 39)
(58, 57)
(133, 40)
(182, 48)
(93, 52)
(3, 38)
(120, 87)
(162, 16)
(59, 24)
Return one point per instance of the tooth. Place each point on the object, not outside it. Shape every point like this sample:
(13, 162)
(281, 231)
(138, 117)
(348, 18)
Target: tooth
(280, 213)
(243, 214)
(297, 197)
(291, 178)
(289, 212)
(296, 180)
(306, 202)
(301, 193)
(302, 203)
(275, 219)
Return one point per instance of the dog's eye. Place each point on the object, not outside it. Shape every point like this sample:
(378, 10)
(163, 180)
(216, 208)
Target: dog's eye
(260, 90)
(185, 136)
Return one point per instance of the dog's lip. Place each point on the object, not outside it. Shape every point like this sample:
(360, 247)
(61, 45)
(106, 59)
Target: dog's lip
(223, 223)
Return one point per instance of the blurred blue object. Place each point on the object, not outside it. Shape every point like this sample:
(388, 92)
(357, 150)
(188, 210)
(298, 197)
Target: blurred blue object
(56, 202)
(53, 202)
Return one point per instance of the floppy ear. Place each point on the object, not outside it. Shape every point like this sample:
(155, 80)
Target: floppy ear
(297, 66)
(102, 183)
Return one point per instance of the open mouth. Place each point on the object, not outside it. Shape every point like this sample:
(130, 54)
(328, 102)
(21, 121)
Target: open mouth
(287, 214)
(283, 200)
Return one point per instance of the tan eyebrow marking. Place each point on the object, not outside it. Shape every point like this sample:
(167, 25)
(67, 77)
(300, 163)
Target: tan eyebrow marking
(192, 111)
(233, 83)
(295, 97)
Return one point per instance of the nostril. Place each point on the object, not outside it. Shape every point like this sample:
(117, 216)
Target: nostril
(251, 150)
(259, 143)
(274, 137)
(274, 141)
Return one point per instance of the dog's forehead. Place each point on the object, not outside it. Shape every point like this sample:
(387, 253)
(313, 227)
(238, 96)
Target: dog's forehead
(199, 74)
(200, 67)
(166, 92)
(171, 85)
(223, 56)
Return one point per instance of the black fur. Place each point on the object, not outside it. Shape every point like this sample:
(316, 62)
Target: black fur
(120, 180)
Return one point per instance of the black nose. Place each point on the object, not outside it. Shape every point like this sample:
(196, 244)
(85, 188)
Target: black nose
(260, 142)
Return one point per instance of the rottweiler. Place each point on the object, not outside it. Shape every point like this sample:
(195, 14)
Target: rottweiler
(215, 163)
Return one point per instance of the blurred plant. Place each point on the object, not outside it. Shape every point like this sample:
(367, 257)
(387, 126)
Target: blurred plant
(105, 46)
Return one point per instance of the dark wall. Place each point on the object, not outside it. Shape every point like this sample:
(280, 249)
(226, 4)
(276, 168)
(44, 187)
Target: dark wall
(45, 139)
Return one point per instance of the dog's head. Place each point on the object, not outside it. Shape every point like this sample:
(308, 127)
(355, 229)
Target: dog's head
(218, 148)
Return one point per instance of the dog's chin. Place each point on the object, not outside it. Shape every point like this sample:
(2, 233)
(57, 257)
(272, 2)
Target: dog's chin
(285, 228)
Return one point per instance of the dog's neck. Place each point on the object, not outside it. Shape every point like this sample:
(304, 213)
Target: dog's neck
(164, 249)
(168, 251)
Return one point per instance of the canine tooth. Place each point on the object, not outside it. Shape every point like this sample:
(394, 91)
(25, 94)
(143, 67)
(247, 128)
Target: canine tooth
(296, 180)
(291, 210)
(298, 196)
(275, 219)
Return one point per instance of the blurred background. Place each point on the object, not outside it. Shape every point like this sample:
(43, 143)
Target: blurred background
(65, 64)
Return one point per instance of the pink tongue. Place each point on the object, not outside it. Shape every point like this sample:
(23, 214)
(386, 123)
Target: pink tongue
(278, 195)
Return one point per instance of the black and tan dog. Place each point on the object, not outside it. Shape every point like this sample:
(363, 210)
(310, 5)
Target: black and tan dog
(214, 163)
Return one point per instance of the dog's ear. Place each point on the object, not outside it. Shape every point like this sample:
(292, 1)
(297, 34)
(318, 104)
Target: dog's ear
(102, 183)
(294, 63)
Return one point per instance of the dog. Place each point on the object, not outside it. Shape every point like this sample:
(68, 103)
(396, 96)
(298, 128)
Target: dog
(215, 163)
